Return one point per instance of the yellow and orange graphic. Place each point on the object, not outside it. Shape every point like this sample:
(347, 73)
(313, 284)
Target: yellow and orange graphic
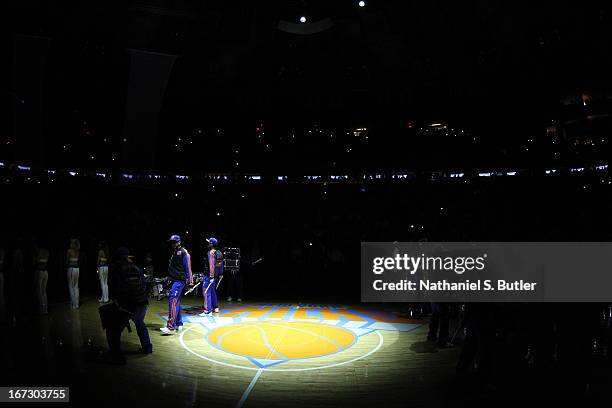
(281, 340)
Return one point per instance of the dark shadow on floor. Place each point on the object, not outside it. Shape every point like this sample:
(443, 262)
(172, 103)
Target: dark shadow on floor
(423, 347)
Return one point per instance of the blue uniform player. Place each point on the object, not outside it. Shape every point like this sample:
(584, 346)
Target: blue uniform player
(213, 272)
(179, 271)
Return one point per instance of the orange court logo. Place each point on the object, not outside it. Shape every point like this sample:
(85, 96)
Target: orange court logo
(288, 337)
(281, 340)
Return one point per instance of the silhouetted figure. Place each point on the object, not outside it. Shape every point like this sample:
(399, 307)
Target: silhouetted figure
(234, 285)
(128, 291)
(148, 266)
(72, 264)
(215, 266)
(102, 263)
(438, 324)
(41, 260)
(480, 326)
(233, 275)
(179, 272)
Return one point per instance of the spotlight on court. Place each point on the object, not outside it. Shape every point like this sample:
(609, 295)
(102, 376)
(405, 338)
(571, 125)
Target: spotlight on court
(362, 3)
(303, 19)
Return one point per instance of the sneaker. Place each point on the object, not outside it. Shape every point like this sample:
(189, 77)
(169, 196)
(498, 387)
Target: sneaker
(166, 331)
(205, 313)
(229, 299)
(216, 310)
(178, 329)
(239, 300)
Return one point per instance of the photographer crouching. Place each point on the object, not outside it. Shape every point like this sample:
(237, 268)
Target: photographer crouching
(128, 292)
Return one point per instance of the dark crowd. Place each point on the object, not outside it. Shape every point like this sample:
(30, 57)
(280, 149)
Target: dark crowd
(290, 234)
(301, 243)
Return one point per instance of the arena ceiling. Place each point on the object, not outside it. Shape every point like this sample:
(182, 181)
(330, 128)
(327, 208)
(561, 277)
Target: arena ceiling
(485, 62)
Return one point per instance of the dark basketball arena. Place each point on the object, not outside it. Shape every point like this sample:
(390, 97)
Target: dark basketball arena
(188, 186)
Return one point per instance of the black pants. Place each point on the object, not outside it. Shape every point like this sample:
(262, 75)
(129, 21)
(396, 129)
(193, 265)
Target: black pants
(438, 324)
(234, 284)
(481, 328)
(113, 331)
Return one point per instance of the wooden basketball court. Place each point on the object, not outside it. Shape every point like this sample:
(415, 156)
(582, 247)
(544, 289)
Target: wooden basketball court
(251, 354)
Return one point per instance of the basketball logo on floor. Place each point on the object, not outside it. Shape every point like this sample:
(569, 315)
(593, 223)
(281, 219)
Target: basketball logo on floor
(287, 337)
(268, 343)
